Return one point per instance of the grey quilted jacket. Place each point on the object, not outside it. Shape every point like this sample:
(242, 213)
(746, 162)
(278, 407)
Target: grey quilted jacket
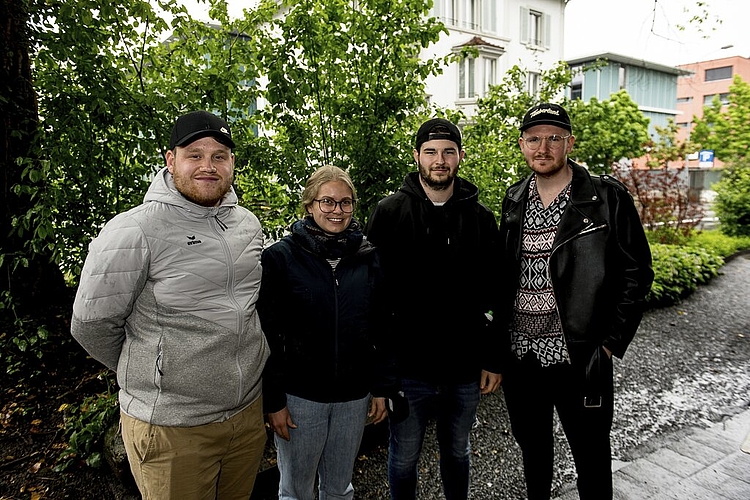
(167, 299)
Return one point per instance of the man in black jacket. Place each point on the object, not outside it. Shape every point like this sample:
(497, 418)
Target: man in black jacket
(439, 252)
(578, 271)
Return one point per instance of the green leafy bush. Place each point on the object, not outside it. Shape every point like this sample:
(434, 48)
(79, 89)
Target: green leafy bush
(718, 242)
(678, 270)
(732, 202)
(85, 426)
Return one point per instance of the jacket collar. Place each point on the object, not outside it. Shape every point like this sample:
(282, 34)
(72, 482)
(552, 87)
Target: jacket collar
(583, 191)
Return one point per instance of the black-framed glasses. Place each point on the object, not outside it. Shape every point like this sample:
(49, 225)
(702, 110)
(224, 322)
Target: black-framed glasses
(553, 141)
(328, 205)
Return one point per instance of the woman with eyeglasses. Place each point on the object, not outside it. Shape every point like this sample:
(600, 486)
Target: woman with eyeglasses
(328, 371)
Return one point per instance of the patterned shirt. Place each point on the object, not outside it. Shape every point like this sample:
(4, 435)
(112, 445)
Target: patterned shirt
(536, 324)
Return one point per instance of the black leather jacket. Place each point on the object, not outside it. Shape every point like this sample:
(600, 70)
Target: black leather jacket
(600, 265)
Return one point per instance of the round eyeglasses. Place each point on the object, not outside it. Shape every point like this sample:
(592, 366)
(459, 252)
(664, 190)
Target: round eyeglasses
(553, 141)
(328, 205)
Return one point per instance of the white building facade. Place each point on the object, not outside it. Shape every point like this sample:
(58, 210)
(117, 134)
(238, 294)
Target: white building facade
(506, 33)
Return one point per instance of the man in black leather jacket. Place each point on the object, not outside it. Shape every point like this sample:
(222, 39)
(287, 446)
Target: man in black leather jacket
(578, 271)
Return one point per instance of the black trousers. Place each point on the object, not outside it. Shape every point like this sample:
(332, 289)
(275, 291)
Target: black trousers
(531, 393)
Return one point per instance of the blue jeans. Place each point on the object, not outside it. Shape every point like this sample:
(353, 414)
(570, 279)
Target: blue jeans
(325, 442)
(455, 408)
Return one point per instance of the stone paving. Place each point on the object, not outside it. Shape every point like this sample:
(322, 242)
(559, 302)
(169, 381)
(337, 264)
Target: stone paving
(698, 464)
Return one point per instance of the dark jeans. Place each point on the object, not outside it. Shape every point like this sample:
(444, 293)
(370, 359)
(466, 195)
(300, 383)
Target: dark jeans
(455, 408)
(531, 393)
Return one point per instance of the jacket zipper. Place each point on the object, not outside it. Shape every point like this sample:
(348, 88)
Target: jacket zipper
(588, 229)
(336, 323)
(222, 227)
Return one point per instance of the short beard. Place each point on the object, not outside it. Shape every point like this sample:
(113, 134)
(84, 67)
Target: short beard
(434, 184)
(187, 188)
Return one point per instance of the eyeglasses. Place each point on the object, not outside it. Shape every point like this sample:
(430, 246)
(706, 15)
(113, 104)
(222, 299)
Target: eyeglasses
(553, 141)
(328, 205)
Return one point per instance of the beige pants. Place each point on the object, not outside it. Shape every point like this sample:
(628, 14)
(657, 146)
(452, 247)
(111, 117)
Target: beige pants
(212, 461)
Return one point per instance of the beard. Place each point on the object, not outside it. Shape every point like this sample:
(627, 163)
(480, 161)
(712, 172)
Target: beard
(206, 196)
(438, 184)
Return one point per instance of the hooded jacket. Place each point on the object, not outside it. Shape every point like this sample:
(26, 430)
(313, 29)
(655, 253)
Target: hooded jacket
(441, 264)
(600, 265)
(167, 299)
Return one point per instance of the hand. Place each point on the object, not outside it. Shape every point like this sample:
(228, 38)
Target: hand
(489, 382)
(377, 411)
(281, 422)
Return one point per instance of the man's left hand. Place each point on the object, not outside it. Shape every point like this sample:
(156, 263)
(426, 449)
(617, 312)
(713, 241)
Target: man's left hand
(489, 382)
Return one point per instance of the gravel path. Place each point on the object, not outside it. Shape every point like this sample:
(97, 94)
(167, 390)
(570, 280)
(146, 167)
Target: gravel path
(688, 365)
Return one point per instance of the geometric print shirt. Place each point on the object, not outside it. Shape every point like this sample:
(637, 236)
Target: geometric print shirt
(536, 323)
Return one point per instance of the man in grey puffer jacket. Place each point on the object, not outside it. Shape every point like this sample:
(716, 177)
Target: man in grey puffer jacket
(167, 300)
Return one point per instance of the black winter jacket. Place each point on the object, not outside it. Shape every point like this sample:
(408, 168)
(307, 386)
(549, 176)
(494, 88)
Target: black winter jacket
(321, 325)
(440, 264)
(600, 265)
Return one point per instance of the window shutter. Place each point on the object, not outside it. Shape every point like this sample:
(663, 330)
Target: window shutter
(547, 30)
(524, 25)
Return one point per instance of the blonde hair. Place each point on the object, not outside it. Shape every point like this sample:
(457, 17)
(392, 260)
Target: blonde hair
(326, 173)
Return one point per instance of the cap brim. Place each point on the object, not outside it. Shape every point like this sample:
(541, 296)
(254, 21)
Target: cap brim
(227, 141)
(555, 123)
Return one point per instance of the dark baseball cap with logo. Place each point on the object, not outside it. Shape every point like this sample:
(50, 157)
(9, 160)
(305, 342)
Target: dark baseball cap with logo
(546, 114)
(438, 128)
(196, 124)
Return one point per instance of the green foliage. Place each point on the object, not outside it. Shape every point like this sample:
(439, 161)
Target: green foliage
(345, 87)
(607, 131)
(678, 270)
(724, 129)
(23, 344)
(715, 241)
(732, 203)
(493, 159)
(85, 426)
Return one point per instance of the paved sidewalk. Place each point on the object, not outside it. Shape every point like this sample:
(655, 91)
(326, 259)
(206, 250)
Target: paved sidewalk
(697, 464)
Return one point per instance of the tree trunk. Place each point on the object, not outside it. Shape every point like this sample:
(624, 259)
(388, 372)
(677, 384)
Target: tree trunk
(36, 286)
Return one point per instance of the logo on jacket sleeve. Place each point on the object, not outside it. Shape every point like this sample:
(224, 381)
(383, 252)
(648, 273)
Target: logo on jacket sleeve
(193, 241)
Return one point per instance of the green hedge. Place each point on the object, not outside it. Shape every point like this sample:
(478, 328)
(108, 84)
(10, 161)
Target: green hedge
(680, 269)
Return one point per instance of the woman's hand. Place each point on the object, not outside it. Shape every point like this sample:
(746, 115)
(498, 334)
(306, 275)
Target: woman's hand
(281, 422)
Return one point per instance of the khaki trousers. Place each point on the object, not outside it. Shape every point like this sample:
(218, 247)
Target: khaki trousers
(205, 462)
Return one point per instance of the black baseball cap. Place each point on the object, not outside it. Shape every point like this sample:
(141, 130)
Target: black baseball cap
(546, 114)
(196, 124)
(438, 128)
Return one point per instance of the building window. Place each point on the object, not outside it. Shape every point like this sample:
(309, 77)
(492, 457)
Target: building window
(534, 80)
(683, 124)
(535, 28)
(466, 79)
(475, 15)
(684, 100)
(576, 83)
(622, 75)
(576, 91)
(472, 71)
(476, 74)
(489, 76)
(724, 73)
(709, 99)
